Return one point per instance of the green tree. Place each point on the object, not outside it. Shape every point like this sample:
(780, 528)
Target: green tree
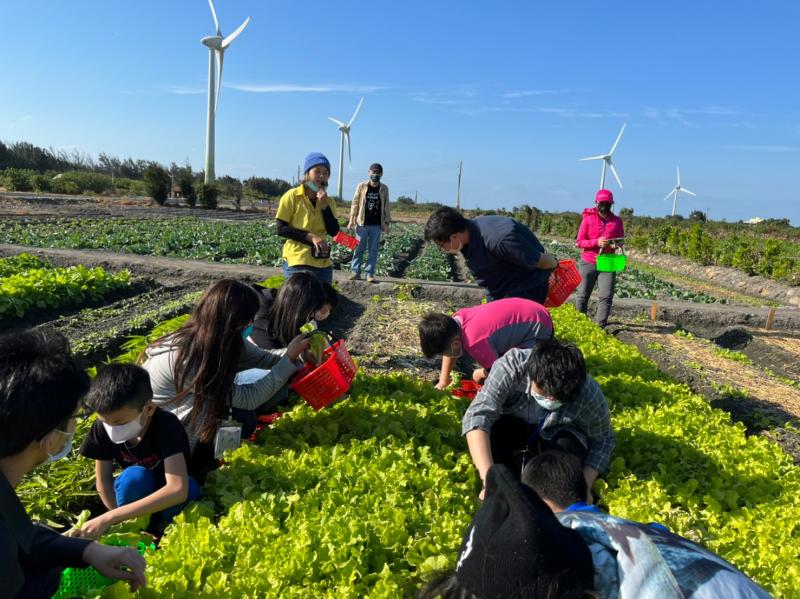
(185, 181)
(208, 193)
(698, 216)
(157, 182)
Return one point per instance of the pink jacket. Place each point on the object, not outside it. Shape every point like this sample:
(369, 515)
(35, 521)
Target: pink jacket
(592, 228)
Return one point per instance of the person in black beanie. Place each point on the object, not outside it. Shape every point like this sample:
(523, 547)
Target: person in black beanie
(515, 548)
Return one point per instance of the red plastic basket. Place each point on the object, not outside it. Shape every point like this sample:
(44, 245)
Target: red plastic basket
(467, 388)
(326, 383)
(564, 279)
(346, 240)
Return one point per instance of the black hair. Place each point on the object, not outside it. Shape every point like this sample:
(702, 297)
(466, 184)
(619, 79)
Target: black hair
(299, 297)
(558, 369)
(436, 331)
(331, 295)
(119, 385)
(443, 223)
(556, 476)
(41, 385)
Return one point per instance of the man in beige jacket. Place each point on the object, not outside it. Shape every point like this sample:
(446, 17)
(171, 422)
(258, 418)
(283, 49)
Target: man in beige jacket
(369, 216)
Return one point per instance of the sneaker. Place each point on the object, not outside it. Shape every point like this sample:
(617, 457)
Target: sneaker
(355, 277)
(370, 279)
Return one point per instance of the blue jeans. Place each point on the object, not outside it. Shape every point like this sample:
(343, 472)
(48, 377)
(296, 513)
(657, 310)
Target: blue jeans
(136, 482)
(369, 238)
(323, 274)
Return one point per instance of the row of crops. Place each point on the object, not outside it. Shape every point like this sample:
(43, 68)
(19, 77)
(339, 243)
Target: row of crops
(637, 283)
(28, 283)
(367, 497)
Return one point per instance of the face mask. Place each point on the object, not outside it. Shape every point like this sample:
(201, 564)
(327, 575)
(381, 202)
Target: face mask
(247, 332)
(375, 178)
(124, 432)
(64, 450)
(457, 250)
(546, 402)
(604, 208)
(312, 186)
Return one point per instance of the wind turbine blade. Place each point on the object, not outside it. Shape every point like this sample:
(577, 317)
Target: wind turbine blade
(592, 158)
(666, 197)
(214, 14)
(691, 193)
(340, 123)
(227, 41)
(614, 147)
(616, 176)
(356, 112)
(220, 60)
(678, 170)
(349, 152)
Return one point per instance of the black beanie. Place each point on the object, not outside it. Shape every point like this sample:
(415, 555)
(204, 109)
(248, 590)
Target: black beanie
(516, 548)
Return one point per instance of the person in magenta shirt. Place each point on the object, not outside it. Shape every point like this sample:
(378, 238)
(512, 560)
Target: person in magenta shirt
(485, 332)
(601, 232)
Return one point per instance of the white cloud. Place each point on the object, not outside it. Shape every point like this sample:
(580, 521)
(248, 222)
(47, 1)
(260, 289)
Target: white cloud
(534, 92)
(579, 113)
(183, 90)
(19, 121)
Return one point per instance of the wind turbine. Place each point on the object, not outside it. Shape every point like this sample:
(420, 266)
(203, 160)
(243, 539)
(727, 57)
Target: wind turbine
(216, 45)
(345, 129)
(677, 189)
(606, 158)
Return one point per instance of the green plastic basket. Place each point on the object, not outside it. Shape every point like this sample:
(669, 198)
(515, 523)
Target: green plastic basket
(611, 262)
(79, 582)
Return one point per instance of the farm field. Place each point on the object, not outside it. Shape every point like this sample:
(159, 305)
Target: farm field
(369, 496)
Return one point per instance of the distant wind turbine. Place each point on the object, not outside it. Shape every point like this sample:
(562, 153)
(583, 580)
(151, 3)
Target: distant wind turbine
(216, 45)
(676, 190)
(345, 129)
(606, 158)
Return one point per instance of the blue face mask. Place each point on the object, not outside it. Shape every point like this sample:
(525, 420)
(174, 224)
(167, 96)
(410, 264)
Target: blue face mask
(64, 450)
(546, 402)
(247, 332)
(312, 186)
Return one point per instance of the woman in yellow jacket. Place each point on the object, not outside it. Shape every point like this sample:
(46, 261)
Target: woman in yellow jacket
(305, 215)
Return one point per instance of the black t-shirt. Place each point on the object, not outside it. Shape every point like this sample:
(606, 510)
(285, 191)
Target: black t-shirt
(261, 334)
(164, 438)
(372, 211)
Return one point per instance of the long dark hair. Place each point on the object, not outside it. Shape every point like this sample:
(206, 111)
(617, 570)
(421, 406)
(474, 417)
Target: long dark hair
(299, 297)
(209, 347)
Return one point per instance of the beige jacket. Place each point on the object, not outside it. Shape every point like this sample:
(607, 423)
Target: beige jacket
(359, 206)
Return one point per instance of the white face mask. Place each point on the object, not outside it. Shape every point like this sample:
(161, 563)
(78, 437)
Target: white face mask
(54, 457)
(124, 432)
(546, 402)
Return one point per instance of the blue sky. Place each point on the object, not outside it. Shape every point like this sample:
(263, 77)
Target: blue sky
(517, 90)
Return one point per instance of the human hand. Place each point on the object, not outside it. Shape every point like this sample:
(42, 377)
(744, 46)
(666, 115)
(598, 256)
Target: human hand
(319, 243)
(443, 383)
(351, 225)
(322, 198)
(297, 346)
(119, 563)
(602, 242)
(479, 375)
(94, 528)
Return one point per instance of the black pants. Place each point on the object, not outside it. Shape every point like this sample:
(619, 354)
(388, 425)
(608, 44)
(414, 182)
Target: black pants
(536, 294)
(514, 443)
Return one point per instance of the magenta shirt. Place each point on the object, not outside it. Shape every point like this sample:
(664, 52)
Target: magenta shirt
(592, 228)
(489, 330)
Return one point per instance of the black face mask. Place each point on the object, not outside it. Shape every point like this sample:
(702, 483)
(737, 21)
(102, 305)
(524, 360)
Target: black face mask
(604, 208)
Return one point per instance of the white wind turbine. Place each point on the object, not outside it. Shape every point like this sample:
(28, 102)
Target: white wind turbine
(216, 45)
(676, 190)
(345, 129)
(606, 158)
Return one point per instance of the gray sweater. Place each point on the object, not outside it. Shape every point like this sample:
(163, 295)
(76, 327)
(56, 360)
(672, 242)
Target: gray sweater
(160, 363)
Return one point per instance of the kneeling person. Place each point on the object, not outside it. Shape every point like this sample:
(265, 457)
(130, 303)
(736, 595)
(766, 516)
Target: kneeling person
(486, 332)
(535, 400)
(149, 443)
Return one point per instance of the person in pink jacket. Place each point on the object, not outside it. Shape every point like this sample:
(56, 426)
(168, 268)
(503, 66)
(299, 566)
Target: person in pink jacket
(600, 232)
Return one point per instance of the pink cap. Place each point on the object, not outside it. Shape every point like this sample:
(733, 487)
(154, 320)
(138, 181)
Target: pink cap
(604, 195)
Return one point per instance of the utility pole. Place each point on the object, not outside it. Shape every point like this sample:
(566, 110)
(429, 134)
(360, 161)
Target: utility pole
(299, 178)
(458, 188)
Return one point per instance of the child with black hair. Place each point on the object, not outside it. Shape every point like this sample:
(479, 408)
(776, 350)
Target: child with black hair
(149, 443)
(539, 399)
(41, 386)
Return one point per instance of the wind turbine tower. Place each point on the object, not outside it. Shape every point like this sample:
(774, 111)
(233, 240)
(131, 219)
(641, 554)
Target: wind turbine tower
(606, 158)
(345, 129)
(216, 45)
(676, 190)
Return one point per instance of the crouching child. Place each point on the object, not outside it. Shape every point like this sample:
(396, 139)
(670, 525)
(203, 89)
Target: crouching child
(535, 400)
(148, 443)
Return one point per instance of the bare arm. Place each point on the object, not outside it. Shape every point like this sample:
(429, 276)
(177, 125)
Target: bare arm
(480, 449)
(104, 480)
(448, 364)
